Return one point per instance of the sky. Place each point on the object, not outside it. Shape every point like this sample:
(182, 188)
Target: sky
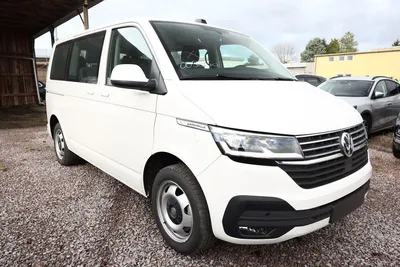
(375, 23)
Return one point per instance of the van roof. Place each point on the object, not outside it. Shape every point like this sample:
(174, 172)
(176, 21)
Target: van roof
(139, 20)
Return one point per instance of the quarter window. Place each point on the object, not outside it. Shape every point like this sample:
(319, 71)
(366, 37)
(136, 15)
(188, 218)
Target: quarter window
(128, 46)
(85, 58)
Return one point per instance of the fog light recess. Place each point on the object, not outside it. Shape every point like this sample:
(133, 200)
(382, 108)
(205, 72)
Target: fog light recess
(256, 231)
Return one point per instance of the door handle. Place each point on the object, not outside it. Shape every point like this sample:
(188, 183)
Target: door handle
(90, 93)
(390, 103)
(105, 95)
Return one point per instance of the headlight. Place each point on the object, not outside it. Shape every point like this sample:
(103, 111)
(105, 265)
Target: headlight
(243, 144)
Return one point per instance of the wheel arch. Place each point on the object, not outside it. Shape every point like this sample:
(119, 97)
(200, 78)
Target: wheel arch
(53, 122)
(154, 164)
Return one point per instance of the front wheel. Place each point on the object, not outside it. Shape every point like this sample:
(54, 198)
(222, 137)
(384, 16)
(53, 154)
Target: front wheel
(367, 123)
(181, 211)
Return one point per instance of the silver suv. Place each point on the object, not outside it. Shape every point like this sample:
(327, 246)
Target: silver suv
(376, 98)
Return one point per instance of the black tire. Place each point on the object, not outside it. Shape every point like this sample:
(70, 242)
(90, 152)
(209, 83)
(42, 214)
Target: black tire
(396, 152)
(68, 158)
(201, 236)
(367, 123)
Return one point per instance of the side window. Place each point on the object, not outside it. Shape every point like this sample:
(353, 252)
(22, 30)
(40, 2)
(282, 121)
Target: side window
(393, 88)
(59, 60)
(85, 58)
(239, 55)
(381, 87)
(128, 46)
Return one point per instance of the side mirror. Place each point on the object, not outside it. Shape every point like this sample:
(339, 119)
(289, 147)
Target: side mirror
(378, 95)
(131, 76)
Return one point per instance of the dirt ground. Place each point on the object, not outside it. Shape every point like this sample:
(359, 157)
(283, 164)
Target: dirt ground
(22, 117)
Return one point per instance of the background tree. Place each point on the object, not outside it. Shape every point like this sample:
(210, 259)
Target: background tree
(396, 43)
(333, 47)
(314, 47)
(348, 43)
(253, 60)
(284, 52)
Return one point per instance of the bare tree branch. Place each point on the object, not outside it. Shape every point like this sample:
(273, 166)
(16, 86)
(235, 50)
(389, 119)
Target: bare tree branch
(284, 52)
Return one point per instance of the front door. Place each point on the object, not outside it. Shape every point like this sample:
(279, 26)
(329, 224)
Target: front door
(127, 116)
(380, 114)
(393, 105)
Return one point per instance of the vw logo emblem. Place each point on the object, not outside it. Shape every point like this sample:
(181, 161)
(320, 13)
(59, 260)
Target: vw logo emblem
(347, 144)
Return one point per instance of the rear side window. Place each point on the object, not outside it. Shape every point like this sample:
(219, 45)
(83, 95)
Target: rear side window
(59, 62)
(85, 58)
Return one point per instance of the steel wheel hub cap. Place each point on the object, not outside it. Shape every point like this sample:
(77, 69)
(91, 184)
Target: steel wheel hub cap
(174, 211)
(59, 143)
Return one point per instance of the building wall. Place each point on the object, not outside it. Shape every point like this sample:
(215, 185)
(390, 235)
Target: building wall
(381, 62)
(300, 68)
(17, 72)
(41, 68)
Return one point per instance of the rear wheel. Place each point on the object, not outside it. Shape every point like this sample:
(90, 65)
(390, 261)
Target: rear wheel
(181, 211)
(64, 156)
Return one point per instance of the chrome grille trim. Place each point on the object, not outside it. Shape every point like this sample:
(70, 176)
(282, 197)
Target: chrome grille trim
(324, 161)
(324, 144)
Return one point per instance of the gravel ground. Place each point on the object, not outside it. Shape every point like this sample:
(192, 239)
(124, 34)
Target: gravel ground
(78, 216)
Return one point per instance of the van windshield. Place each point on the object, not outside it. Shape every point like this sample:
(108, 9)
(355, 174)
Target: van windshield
(201, 52)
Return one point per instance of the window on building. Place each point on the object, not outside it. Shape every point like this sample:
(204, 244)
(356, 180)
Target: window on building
(331, 59)
(349, 57)
(128, 46)
(59, 59)
(341, 58)
(85, 58)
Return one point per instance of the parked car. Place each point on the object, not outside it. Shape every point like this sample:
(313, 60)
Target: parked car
(376, 98)
(311, 79)
(396, 138)
(211, 144)
(42, 90)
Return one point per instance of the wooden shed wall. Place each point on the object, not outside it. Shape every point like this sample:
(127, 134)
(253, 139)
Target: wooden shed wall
(17, 72)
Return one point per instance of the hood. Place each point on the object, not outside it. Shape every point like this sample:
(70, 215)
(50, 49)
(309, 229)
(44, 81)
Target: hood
(355, 101)
(281, 107)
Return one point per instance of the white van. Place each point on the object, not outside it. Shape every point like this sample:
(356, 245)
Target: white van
(209, 125)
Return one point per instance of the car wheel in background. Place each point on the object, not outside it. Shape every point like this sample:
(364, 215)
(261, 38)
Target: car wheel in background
(367, 123)
(396, 152)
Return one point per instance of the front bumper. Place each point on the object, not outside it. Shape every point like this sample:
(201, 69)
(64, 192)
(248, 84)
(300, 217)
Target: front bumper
(266, 217)
(226, 179)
